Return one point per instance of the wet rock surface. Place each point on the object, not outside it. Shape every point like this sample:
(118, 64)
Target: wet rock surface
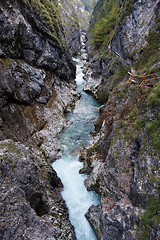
(32, 102)
(31, 204)
(36, 89)
(118, 218)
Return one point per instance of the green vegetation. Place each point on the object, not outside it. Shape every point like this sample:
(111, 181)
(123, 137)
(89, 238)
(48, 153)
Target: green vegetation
(14, 148)
(49, 11)
(150, 55)
(126, 10)
(89, 157)
(139, 124)
(109, 15)
(7, 61)
(119, 74)
(153, 129)
(154, 97)
(149, 217)
(126, 170)
(156, 179)
(135, 114)
(104, 28)
(140, 113)
(43, 154)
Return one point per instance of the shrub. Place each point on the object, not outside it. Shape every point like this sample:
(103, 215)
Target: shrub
(139, 124)
(150, 216)
(154, 97)
(153, 128)
(104, 28)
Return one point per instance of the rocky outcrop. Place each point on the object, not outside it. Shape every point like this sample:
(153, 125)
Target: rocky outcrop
(33, 102)
(31, 204)
(124, 166)
(133, 45)
(102, 75)
(75, 20)
(131, 33)
(24, 35)
(35, 70)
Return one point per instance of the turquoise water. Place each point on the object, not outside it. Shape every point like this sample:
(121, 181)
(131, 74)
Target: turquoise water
(77, 198)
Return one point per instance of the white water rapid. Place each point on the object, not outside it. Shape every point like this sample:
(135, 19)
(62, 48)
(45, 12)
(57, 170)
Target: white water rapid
(77, 198)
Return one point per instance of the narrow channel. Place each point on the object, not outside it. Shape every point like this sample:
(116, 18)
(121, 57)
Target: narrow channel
(77, 198)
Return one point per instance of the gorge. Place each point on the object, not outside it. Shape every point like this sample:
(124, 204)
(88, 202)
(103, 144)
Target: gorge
(48, 117)
(77, 135)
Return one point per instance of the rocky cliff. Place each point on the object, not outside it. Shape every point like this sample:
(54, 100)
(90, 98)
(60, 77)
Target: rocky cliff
(31, 204)
(34, 66)
(36, 88)
(75, 20)
(123, 162)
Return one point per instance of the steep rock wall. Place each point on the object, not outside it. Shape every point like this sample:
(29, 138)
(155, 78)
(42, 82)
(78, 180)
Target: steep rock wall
(24, 35)
(131, 33)
(124, 165)
(31, 205)
(134, 44)
(123, 162)
(75, 20)
(36, 88)
(34, 67)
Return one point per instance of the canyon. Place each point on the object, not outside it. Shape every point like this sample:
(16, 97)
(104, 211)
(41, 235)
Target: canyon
(38, 91)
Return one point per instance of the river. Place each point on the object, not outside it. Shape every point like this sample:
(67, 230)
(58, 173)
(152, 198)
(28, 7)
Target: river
(71, 140)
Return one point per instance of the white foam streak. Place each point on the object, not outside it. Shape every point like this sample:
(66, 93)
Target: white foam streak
(77, 198)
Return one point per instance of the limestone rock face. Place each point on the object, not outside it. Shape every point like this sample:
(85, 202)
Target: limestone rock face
(24, 35)
(33, 67)
(123, 165)
(117, 220)
(132, 35)
(75, 21)
(123, 162)
(36, 88)
(126, 48)
(22, 83)
(31, 205)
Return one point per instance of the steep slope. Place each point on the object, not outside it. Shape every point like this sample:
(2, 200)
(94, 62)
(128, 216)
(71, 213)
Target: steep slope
(33, 66)
(124, 158)
(31, 205)
(123, 39)
(75, 20)
(36, 88)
